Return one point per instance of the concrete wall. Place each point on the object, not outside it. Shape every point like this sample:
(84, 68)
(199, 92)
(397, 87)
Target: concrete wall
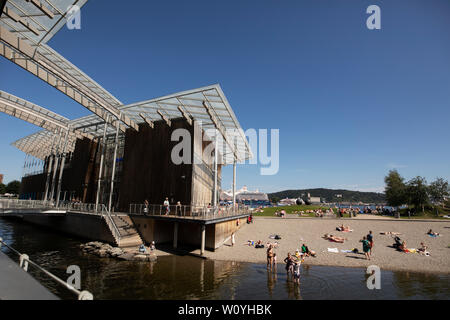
(81, 225)
(224, 230)
(189, 233)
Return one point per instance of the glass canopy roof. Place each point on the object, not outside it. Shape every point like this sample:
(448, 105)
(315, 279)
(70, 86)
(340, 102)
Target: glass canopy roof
(207, 105)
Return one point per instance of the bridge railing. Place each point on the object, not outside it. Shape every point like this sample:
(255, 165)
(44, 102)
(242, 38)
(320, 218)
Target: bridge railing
(24, 204)
(24, 261)
(192, 212)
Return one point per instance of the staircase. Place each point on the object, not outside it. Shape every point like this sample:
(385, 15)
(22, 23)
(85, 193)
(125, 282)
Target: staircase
(128, 235)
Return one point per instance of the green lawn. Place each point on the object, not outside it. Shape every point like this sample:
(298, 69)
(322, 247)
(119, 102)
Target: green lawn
(429, 213)
(270, 212)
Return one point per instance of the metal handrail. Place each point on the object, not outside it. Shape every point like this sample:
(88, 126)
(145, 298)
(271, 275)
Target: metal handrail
(193, 212)
(25, 260)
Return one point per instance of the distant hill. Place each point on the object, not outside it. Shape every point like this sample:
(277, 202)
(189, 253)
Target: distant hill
(330, 195)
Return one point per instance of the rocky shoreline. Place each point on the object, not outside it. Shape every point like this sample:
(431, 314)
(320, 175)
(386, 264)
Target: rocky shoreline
(104, 250)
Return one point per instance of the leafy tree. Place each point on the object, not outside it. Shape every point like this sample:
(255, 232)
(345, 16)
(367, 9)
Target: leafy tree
(417, 190)
(438, 190)
(13, 187)
(395, 189)
(275, 199)
(2, 188)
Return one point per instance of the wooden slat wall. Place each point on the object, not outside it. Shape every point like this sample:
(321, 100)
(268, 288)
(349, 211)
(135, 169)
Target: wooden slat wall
(75, 178)
(148, 171)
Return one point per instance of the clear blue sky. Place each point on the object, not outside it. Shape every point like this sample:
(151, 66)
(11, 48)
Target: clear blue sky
(350, 103)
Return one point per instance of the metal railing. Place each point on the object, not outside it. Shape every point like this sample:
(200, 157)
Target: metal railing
(24, 204)
(94, 209)
(192, 212)
(24, 261)
(90, 208)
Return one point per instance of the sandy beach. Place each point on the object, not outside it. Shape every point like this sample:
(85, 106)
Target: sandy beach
(296, 231)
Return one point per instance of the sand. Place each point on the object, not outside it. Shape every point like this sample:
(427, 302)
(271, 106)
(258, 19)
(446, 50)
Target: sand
(296, 231)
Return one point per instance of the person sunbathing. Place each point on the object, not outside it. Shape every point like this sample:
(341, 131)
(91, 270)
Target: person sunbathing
(391, 233)
(307, 252)
(343, 228)
(259, 245)
(434, 234)
(402, 247)
(423, 249)
(330, 237)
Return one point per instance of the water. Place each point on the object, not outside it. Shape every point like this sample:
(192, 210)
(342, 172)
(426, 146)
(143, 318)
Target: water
(185, 277)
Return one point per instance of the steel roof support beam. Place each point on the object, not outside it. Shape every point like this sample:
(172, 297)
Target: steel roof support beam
(219, 128)
(167, 120)
(24, 55)
(147, 120)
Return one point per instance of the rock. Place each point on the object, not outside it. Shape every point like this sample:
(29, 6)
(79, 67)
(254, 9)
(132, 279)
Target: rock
(126, 256)
(141, 257)
(115, 252)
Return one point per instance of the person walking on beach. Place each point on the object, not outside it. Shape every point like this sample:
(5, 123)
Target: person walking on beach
(366, 247)
(370, 239)
(232, 239)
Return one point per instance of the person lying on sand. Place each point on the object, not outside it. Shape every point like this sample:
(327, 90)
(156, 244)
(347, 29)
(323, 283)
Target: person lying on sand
(330, 237)
(344, 228)
(434, 234)
(391, 233)
(306, 252)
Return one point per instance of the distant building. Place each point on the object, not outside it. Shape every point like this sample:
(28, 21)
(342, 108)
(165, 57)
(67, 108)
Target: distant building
(1, 178)
(313, 200)
(244, 196)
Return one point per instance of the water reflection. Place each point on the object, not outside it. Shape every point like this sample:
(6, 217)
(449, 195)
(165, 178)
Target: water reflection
(177, 277)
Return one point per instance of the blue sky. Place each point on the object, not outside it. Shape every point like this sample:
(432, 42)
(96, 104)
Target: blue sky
(350, 103)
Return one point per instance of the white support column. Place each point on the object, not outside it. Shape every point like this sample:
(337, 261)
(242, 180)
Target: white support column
(100, 172)
(55, 166)
(175, 235)
(49, 169)
(113, 174)
(202, 246)
(234, 185)
(215, 175)
(61, 169)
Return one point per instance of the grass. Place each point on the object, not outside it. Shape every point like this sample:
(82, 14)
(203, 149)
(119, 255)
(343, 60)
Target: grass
(429, 213)
(270, 212)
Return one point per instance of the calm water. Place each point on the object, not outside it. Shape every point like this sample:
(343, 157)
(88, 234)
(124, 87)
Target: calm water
(185, 277)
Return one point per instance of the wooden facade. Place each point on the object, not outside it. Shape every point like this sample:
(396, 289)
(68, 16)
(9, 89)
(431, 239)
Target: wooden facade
(146, 170)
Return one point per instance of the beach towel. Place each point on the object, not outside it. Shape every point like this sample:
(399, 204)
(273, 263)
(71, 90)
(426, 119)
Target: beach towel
(346, 251)
(433, 235)
(333, 250)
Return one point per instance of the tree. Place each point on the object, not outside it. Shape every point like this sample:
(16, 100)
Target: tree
(13, 187)
(417, 190)
(395, 189)
(438, 190)
(275, 200)
(2, 188)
